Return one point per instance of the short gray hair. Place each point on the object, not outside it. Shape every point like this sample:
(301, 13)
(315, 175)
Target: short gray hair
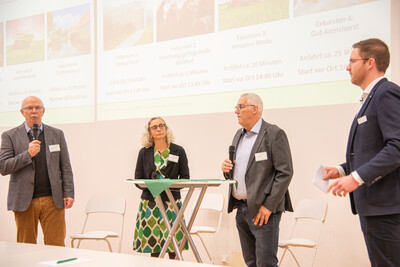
(26, 98)
(254, 99)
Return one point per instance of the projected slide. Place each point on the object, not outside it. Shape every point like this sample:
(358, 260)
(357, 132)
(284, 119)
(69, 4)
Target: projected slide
(118, 59)
(50, 55)
(292, 53)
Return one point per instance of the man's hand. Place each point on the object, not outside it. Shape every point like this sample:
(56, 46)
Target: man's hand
(227, 165)
(331, 173)
(68, 202)
(262, 216)
(34, 148)
(344, 185)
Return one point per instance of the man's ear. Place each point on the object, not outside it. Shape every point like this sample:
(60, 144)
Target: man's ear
(255, 109)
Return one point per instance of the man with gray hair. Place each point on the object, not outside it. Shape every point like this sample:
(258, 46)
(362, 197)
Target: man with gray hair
(41, 184)
(263, 169)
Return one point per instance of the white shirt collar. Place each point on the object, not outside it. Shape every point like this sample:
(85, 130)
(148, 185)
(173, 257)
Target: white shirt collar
(371, 85)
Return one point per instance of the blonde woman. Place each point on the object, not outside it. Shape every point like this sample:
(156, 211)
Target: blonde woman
(168, 160)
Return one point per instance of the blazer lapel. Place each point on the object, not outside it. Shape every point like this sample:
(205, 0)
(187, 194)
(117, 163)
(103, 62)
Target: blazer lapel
(257, 143)
(149, 158)
(360, 113)
(48, 139)
(23, 136)
(236, 139)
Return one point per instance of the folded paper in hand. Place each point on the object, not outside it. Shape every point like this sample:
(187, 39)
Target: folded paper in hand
(318, 181)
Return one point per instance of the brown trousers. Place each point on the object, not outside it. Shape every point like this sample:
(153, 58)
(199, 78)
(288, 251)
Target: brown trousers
(52, 221)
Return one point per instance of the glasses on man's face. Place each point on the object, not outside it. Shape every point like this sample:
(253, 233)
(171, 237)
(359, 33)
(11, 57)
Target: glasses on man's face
(354, 60)
(155, 127)
(241, 106)
(32, 108)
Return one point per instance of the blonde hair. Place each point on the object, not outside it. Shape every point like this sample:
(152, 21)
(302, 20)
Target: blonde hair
(147, 139)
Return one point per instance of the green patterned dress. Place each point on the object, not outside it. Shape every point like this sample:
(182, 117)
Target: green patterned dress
(151, 232)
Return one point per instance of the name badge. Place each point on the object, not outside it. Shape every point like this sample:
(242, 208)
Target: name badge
(54, 148)
(362, 120)
(173, 158)
(261, 156)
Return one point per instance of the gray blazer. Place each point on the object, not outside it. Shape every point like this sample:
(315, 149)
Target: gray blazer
(267, 181)
(16, 161)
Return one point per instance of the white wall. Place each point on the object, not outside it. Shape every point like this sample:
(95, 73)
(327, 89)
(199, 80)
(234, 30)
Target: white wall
(103, 154)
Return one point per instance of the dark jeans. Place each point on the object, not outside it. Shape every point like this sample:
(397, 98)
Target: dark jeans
(259, 243)
(382, 237)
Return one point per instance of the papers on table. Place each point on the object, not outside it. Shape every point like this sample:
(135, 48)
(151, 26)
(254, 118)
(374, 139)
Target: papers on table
(63, 262)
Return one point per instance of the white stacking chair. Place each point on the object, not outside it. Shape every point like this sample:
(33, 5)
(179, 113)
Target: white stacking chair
(306, 210)
(102, 205)
(212, 205)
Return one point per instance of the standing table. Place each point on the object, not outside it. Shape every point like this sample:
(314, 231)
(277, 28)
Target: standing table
(156, 186)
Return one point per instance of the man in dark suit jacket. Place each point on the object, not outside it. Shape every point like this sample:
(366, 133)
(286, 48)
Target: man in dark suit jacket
(41, 182)
(263, 169)
(371, 173)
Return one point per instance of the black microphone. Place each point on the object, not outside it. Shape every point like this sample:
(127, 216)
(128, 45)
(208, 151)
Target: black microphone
(35, 130)
(154, 175)
(231, 154)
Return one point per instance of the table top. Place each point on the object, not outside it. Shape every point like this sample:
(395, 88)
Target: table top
(21, 255)
(177, 183)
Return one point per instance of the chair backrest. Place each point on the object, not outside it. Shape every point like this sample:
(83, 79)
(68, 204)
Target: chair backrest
(211, 205)
(212, 201)
(315, 209)
(106, 204)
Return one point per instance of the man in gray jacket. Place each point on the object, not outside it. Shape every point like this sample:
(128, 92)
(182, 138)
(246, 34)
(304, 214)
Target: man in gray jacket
(41, 181)
(263, 171)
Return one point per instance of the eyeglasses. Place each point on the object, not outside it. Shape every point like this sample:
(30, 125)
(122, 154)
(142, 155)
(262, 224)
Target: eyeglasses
(240, 106)
(354, 60)
(32, 108)
(155, 127)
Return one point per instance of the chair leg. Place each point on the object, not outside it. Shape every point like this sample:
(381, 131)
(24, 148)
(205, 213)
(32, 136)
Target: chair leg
(298, 264)
(72, 243)
(283, 255)
(315, 254)
(109, 245)
(204, 245)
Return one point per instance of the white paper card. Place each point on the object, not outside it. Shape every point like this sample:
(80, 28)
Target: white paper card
(54, 262)
(173, 158)
(321, 184)
(54, 148)
(362, 119)
(261, 156)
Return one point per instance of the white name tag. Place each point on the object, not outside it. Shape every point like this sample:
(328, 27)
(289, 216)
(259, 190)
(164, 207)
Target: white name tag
(362, 119)
(261, 156)
(173, 158)
(54, 148)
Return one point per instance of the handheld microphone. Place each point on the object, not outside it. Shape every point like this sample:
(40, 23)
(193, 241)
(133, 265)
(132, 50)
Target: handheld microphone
(231, 154)
(154, 175)
(35, 130)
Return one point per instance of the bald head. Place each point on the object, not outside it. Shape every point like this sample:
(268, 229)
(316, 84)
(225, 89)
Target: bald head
(32, 109)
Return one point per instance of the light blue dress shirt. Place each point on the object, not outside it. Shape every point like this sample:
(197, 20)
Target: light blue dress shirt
(245, 145)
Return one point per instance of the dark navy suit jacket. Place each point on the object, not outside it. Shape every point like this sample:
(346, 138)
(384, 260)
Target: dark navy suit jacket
(373, 150)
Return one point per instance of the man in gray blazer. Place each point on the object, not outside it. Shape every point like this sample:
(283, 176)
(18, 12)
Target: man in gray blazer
(371, 173)
(41, 182)
(263, 170)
